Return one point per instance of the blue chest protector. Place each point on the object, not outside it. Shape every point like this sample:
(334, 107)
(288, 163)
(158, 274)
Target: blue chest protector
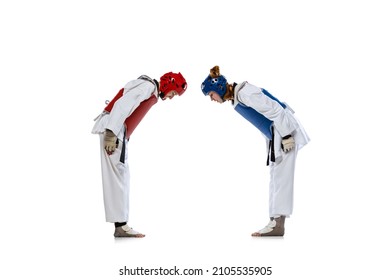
(257, 119)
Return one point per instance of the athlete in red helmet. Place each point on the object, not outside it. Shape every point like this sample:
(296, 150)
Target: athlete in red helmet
(115, 125)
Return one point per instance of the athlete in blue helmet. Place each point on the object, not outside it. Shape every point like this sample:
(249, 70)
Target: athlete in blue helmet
(282, 131)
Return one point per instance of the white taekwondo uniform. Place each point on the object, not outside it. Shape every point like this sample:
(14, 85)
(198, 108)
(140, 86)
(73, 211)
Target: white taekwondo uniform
(115, 169)
(284, 123)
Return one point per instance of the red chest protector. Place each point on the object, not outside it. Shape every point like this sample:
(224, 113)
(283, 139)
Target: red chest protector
(135, 118)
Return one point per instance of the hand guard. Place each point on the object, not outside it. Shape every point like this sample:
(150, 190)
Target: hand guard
(288, 143)
(110, 141)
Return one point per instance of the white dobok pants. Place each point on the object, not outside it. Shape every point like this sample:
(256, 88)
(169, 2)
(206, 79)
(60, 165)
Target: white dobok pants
(116, 184)
(281, 187)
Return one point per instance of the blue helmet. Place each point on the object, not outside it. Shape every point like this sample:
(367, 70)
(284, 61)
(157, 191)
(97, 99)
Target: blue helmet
(217, 84)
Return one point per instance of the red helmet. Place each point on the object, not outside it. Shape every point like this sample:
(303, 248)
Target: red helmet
(172, 81)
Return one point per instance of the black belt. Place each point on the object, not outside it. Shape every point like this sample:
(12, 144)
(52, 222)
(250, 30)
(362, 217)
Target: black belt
(123, 152)
(271, 147)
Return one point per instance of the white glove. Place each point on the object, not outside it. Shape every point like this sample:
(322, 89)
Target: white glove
(288, 144)
(109, 141)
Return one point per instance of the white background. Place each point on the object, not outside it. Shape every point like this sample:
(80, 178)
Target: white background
(199, 184)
